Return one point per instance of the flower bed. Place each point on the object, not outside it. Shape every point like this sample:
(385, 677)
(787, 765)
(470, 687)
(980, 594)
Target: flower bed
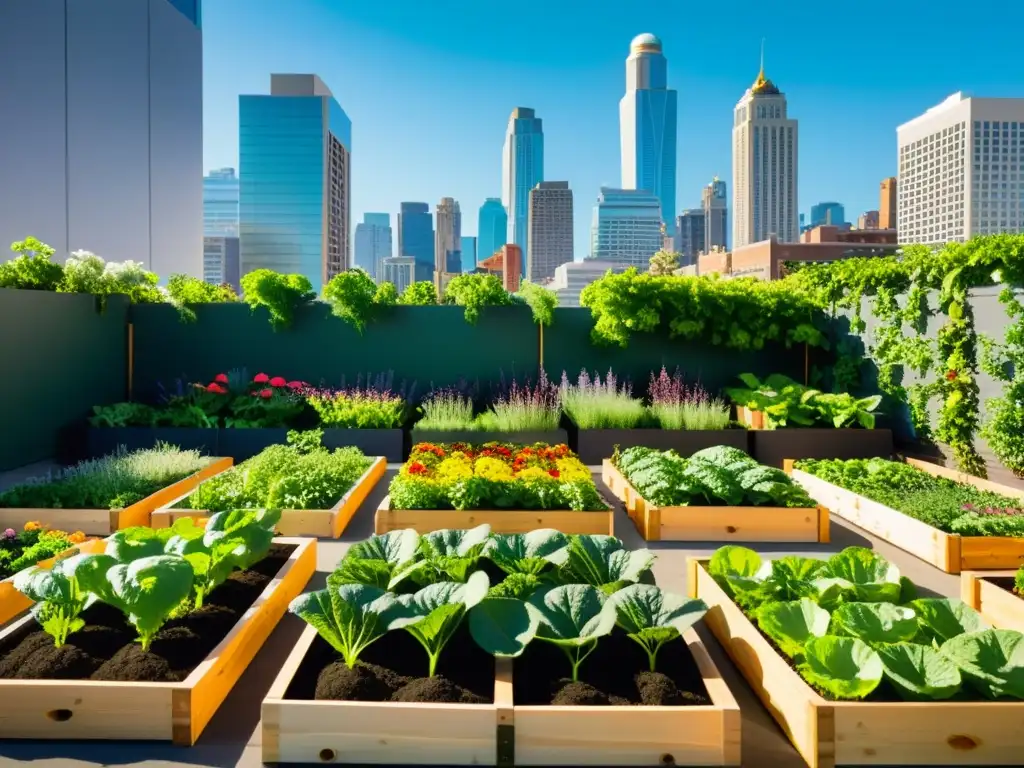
(953, 525)
(318, 490)
(513, 488)
(998, 596)
(541, 649)
(104, 495)
(718, 494)
(146, 640)
(856, 669)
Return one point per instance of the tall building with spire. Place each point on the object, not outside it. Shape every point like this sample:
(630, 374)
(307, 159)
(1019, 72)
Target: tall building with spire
(647, 126)
(522, 170)
(764, 166)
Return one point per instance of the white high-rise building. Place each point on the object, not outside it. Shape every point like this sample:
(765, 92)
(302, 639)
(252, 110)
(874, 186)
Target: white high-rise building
(101, 145)
(626, 227)
(764, 167)
(373, 244)
(570, 279)
(961, 171)
(551, 237)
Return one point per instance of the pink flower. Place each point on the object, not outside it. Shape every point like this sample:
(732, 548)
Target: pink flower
(10, 533)
(295, 385)
(221, 378)
(260, 378)
(266, 393)
(216, 388)
(277, 381)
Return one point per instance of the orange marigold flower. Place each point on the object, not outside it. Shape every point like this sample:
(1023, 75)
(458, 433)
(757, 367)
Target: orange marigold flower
(77, 537)
(416, 468)
(32, 525)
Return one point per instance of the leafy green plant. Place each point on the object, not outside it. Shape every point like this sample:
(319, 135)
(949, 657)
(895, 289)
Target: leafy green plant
(474, 292)
(541, 301)
(1018, 582)
(573, 617)
(945, 618)
(784, 401)
(528, 553)
(652, 617)
(447, 410)
(282, 295)
(875, 622)
(353, 297)
(505, 625)
(123, 415)
(593, 404)
(919, 672)
(386, 295)
(360, 408)
(32, 269)
(377, 560)
(446, 555)
(991, 661)
(603, 562)
(421, 293)
(791, 623)
(844, 667)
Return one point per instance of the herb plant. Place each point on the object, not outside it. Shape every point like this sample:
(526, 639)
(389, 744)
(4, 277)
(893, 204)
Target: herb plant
(675, 405)
(595, 404)
(357, 408)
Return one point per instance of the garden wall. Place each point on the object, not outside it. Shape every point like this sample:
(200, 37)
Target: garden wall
(61, 355)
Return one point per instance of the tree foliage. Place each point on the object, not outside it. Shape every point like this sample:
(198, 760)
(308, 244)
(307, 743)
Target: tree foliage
(419, 294)
(664, 263)
(282, 295)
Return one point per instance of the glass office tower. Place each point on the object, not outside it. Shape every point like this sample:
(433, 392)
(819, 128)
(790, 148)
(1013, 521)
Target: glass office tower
(492, 228)
(522, 170)
(220, 203)
(416, 238)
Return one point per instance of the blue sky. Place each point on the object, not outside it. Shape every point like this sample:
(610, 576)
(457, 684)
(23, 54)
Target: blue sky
(429, 86)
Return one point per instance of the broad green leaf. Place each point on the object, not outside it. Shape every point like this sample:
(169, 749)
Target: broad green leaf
(867, 576)
(573, 614)
(652, 617)
(791, 624)
(844, 667)
(134, 543)
(456, 541)
(372, 573)
(992, 661)
(943, 618)
(394, 547)
(875, 622)
(147, 590)
(527, 552)
(738, 569)
(599, 560)
(919, 672)
(503, 626)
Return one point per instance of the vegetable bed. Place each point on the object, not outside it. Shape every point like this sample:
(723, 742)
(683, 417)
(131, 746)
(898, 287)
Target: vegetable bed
(718, 494)
(409, 659)
(104, 495)
(512, 488)
(596, 445)
(317, 490)
(998, 596)
(859, 671)
(971, 524)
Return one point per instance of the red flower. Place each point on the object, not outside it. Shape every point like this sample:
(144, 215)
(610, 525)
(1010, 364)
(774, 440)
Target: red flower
(260, 378)
(277, 381)
(294, 385)
(554, 472)
(951, 375)
(503, 451)
(221, 378)
(417, 469)
(266, 393)
(216, 388)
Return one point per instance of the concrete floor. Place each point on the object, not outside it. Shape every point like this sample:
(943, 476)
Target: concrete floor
(233, 736)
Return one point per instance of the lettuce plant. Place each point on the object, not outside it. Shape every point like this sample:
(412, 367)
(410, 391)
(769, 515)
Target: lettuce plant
(437, 611)
(573, 617)
(919, 672)
(792, 623)
(652, 617)
(376, 560)
(875, 622)
(943, 618)
(134, 543)
(604, 562)
(992, 661)
(843, 667)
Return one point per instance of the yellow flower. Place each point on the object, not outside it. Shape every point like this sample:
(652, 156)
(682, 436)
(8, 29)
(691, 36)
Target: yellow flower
(454, 468)
(77, 537)
(32, 525)
(572, 469)
(535, 474)
(493, 469)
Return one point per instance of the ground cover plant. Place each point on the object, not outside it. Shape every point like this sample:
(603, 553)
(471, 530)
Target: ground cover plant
(855, 629)
(150, 607)
(407, 617)
(357, 407)
(519, 407)
(788, 403)
(717, 476)
(942, 503)
(494, 476)
(112, 482)
(33, 544)
(300, 475)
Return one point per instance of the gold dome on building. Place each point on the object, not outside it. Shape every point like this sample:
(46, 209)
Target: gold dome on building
(645, 43)
(763, 86)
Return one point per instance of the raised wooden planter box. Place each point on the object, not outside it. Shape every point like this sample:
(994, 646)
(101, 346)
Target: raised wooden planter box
(747, 524)
(389, 733)
(999, 606)
(12, 602)
(832, 733)
(178, 712)
(325, 523)
(948, 552)
(593, 446)
(101, 441)
(500, 520)
(103, 522)
(635, 735)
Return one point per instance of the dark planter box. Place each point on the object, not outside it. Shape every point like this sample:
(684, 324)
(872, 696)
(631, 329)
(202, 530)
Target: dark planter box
(244, 443)
(595, 445)
(101, 441)
(551, 437)
(372, 442)
(773, 446)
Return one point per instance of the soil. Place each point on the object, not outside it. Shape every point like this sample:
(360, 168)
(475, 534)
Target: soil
(394, 669)
(106, 648)
(1005, 582)
(616, 673)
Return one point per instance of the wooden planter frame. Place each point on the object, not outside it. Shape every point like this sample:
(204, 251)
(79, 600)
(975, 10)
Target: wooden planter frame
(499, 734)
(178, 712)
(747, 524)
(103, 522)
(322, 523)
(949, 552)
(831, 733)
(501, 520)
(1001, 608)
(12, 602)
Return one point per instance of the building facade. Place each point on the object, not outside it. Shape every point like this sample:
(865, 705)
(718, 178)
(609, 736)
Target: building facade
(373, 243)
(468, 253)
(102, 140)
(716, 215)
(492, 228)
(830, 213)
(647, 126)
(506, 263)
(690, 233)
(961, 171)
(220, 203)
(220, 261)
(522, 169)
(295, 184)
(448, 237)
(550, 230)
(626, 227)
(764, 167)
(400, 270)
(570, 279)
(416, 238)
(868, 220)
(887, 203)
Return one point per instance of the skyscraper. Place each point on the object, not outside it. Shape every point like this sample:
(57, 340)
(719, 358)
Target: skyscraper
(373, 243)
(626, 227)
(690, 241)
(522, 170)
(764, 167)
(887, 204)
(550, 229)
(716, 215)
(468, 253)
(295, 196)
(220, 203)
(416, 238)
(492, 228)
(647, 126)
(102, 137)
(448, 237)
(400, 270)
(220, 260)
(830, 213)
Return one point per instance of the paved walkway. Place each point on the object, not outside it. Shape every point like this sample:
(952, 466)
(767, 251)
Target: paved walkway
(233, 736)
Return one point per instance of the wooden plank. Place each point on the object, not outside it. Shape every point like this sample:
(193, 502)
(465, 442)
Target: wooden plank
(827, 734)
(100, 710)
(376, 733)
(501, 521)
(351, 501)
(956, 476)
(12, 602)
(103, 522)
(1000, 607)
(985, 553)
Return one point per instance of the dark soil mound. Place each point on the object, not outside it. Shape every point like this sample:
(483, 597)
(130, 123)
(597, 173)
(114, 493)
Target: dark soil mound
(572, 694)
(436, 689)
(366, 682)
